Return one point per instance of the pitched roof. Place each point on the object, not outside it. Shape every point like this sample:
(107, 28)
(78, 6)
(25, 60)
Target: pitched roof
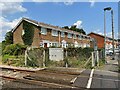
(44, 25)
(96, 34)
(100, 35)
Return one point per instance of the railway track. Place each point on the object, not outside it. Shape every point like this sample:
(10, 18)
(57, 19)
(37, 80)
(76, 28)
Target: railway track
(34, 82)
(41, 80)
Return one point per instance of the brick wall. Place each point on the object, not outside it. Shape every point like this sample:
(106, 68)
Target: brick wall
(39, 37)
(99, 39)
(17, 35)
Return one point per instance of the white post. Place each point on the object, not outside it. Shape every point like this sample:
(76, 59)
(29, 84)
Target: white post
(97, 58)
(25, 57)
(44, 58)
(93, 60)
(66, 65)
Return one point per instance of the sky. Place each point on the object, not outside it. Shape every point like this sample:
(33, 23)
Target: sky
(87, 15)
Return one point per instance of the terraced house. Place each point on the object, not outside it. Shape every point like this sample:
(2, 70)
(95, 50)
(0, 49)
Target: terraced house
(46, 35)
(100, 41)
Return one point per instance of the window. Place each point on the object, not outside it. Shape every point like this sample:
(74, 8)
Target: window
(43, 31)
(88, 45)
(79, 37)
(74, 36)
(54, 33)
(69, 35)
(54, 44)
(62, 34)
(82, 37)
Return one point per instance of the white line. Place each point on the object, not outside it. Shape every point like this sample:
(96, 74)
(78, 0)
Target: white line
(90, 79)
(74, 79)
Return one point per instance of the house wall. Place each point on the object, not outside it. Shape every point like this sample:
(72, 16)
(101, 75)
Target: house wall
(99, 39)
(17, 35)
(38, 37)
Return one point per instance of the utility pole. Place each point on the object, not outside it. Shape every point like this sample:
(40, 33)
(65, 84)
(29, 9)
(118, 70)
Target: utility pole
(113, 34)
(105, 36)
(109, 9)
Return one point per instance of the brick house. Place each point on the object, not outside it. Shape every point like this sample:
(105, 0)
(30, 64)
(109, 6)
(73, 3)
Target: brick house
(100, 40)
(46, 35)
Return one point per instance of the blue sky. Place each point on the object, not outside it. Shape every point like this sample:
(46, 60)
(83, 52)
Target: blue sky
(86, 15)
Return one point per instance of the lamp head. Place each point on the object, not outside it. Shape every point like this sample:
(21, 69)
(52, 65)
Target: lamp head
(108, 8)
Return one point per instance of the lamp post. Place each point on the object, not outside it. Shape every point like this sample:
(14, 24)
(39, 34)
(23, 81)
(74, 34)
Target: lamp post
(113, 34)
(108, 9)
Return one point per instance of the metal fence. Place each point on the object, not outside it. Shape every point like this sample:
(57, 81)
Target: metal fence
(70, 57)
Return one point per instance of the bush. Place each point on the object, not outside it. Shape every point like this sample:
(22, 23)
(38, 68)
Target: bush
(14, 49)
(79, 52)
(55, 63)
(36, 56)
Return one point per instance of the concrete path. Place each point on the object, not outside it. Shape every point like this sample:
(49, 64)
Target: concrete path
(112, 65)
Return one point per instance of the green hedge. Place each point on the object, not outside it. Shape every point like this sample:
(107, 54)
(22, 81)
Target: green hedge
(79, 52)
(14, 49)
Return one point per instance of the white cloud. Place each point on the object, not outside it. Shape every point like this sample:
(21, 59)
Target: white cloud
(109, 34)
(11, 7)
(92, 3)
(41, 0)
(6, 26)
(11, 0)
(78, 24)
(66, 2)
(69, 2)
(98, 31)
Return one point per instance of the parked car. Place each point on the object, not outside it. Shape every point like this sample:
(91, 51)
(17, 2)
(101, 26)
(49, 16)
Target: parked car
(117, 50)
(109, 52)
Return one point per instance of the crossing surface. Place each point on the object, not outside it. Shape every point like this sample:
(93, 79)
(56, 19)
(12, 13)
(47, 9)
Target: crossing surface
(100, 79)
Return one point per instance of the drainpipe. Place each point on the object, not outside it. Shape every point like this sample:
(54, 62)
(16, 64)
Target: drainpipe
(59, 38)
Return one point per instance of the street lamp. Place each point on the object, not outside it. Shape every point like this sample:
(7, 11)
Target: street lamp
(112, 34)
(108, 9)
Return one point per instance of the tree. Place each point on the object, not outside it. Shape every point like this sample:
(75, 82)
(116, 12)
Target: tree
(28, 33)
(9, 38)
(74, 28)
(66, 27)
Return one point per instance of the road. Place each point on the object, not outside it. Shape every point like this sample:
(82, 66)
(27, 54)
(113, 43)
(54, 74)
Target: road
(107, 77)
(100, 79)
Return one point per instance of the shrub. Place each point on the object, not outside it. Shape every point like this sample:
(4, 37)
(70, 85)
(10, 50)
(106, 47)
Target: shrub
(55, 63)
(14, 49)
(36, 56)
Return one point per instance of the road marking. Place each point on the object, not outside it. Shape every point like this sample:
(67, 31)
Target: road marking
(74, 79)
(90, 79)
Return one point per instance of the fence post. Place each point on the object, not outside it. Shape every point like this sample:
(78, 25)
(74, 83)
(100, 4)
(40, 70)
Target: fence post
(97, 58)
(44, 58)
(66, 64)
(93, 60)
(25, 57)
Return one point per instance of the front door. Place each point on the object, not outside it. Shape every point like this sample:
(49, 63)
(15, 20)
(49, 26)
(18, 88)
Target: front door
(45, 45)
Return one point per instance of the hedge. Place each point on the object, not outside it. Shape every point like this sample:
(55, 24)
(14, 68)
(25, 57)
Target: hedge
(14, 49)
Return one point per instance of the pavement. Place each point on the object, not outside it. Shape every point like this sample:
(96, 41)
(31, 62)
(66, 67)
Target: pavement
(107, 77)
(112, 65)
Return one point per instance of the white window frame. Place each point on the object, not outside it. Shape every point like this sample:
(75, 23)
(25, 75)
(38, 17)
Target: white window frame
(69, 35)
(43, 31)
(62, 34)
(75, 36)
(54, 33)
(79, 37)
